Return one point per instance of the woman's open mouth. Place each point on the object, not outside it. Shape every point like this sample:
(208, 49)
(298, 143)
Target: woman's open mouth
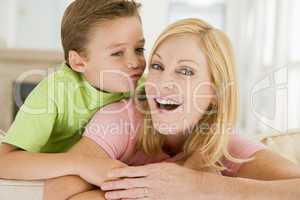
(167, 104)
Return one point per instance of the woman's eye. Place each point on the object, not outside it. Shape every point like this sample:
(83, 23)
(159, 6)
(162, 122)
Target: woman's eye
(119, 53)
(140, 51)
(186, 72)
(156, 67)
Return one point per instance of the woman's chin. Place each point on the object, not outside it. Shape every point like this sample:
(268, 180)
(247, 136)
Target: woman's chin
(165, 129)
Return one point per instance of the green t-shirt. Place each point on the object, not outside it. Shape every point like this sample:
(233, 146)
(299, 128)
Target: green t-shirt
(55, 113)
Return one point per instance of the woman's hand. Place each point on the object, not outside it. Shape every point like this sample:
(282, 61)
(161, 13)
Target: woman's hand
(166, 181)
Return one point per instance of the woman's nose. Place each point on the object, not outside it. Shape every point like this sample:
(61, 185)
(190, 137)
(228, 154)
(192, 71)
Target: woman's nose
(168, 85)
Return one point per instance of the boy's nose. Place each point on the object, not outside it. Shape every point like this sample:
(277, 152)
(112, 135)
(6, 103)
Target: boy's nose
(132, 66)
(133, 62)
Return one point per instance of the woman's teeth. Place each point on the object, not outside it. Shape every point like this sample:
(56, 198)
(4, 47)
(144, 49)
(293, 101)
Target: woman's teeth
(167, 104)
(166, 101)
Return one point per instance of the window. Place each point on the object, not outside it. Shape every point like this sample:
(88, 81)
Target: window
(294, 32)
(294, 64)
(31, 24)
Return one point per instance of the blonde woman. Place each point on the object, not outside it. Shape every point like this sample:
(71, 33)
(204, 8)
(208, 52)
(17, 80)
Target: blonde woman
(188, 118)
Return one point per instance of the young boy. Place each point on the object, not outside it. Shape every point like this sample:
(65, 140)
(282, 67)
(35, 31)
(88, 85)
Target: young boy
(104, 58)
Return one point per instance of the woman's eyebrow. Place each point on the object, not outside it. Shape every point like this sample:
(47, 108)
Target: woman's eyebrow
(188, 60)
(156, 54)
(143, 41)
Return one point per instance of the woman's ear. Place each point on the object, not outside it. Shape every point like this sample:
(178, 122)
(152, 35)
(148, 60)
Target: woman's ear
(77, 62)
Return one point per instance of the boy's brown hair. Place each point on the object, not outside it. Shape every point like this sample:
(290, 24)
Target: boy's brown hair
(82, 15)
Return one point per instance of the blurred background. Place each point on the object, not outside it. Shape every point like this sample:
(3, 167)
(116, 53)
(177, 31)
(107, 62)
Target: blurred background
(265, 35)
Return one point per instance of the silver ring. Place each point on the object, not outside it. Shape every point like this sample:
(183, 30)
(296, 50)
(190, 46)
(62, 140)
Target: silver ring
(146, 192)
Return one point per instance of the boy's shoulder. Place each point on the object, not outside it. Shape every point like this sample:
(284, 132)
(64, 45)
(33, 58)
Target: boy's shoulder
(55, 86)
(64, 74)
(62, 79)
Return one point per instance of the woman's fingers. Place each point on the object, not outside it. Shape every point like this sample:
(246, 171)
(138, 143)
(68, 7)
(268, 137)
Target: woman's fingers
(123, 184)
(132, 172)
(135, 193)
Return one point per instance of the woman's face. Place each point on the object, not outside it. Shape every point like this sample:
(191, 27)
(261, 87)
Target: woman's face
(178, 87)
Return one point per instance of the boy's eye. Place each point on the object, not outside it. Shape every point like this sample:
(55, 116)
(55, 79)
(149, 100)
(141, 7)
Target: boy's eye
(156, 66)
(119, 53)
(186, 71)
(140, 51)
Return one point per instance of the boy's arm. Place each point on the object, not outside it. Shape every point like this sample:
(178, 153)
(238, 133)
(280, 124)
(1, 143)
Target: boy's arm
(22, 165)
(30, 131)
(65, 187)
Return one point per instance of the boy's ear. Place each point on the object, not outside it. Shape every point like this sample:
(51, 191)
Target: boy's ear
(77, 63)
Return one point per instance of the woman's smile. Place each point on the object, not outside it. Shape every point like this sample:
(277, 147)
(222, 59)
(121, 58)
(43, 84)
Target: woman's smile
(167, 104)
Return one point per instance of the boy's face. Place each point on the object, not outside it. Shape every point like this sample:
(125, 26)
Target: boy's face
(115, 55)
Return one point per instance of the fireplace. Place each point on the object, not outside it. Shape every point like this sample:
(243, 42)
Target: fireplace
(24, 88)
(14, 63)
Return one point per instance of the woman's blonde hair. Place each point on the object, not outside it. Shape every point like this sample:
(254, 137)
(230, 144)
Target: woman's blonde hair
(212, 143)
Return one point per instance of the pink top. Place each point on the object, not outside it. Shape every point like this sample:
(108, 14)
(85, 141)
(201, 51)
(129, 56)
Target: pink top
(115, 129)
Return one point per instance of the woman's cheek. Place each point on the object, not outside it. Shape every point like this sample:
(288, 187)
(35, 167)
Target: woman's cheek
(151, 86)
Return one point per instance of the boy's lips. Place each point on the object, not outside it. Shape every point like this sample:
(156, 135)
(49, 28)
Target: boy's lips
(136, 76)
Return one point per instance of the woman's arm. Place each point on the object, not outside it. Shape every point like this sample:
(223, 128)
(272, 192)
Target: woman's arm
(65, 187)
(268, 165)
(268, 176)
(95, 164)
(90, 195)
(275, 177)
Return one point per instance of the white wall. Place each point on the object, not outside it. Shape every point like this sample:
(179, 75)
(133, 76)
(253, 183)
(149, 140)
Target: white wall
(7, 21)
(36, 24)
(31, 23)
(155, 18)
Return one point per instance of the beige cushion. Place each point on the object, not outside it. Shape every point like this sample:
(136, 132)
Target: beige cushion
(287, 145)
(25, 190)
